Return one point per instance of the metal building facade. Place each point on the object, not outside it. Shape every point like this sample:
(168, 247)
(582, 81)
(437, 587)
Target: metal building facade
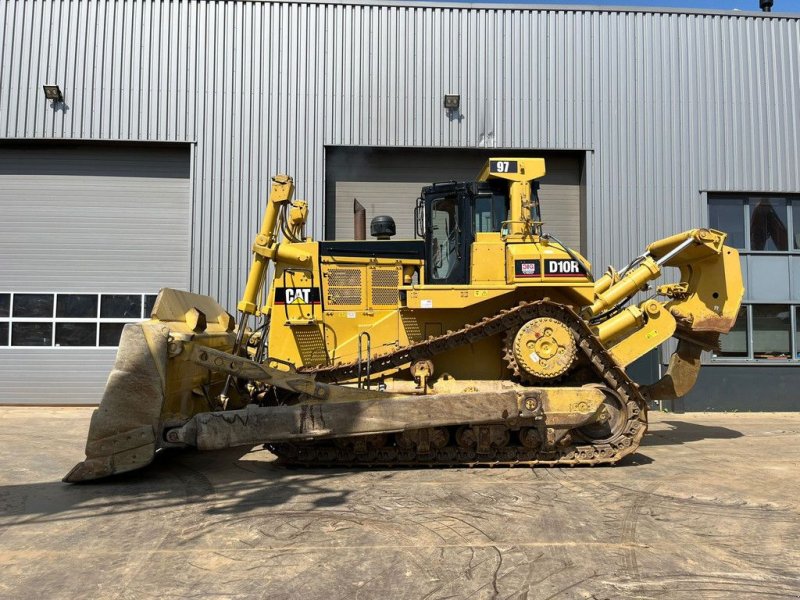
(666, 105)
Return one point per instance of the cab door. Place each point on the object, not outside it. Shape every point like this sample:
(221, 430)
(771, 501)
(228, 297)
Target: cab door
(445, 238)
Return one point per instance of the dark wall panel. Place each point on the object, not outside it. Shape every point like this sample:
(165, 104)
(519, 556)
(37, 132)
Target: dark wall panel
(745, 388)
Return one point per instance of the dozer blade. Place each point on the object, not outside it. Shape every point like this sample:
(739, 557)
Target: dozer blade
(122, 431)
(151, 384)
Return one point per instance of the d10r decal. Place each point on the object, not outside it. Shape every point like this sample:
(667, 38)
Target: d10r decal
(557, 267)
(296, 295)
(526, 268)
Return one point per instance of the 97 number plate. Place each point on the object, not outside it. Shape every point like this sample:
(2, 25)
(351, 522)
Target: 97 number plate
(503, 166)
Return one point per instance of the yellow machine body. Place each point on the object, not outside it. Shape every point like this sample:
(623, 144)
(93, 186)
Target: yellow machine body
(335, 298)
(486, 341)
(310, 327)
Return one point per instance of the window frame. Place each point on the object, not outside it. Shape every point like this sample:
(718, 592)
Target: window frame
(53, 320)
(495, 199)
(456, 233)
(750, 359)
(748, 341)
(792, 204)
(745, 199)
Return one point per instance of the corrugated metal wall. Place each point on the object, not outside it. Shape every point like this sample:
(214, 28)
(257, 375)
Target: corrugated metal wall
(668, 104)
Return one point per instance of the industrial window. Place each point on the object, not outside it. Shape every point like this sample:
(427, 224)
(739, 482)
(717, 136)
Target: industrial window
(5, 312)
(766, 230)
(763, 332)
(37, 320)
(734, 345)
(757, 222)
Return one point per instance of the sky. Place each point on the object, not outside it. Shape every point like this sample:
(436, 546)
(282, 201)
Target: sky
(779, 6)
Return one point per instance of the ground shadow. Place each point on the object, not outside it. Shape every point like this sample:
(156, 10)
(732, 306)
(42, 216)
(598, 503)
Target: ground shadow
(681, 432)
(636, 459)
(244, 480)
(174, 479)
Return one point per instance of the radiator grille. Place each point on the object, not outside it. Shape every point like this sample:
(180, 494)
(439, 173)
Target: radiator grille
(384, 296)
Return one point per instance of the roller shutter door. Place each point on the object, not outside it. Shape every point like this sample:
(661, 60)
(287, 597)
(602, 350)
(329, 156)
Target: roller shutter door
(388, 181)
(88, 234)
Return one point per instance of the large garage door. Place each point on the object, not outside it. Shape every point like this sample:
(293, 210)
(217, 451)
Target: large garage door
(388, 181)
(88, 235)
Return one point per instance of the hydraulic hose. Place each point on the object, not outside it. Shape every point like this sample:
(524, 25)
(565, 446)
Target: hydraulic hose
(571, 253)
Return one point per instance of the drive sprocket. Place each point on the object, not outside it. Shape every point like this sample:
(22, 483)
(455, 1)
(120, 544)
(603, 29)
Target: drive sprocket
(541, 350)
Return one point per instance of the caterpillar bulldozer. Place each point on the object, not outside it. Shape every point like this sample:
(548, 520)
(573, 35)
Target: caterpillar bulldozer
(483, 341)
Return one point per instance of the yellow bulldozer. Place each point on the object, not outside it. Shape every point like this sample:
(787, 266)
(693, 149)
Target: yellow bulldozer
(483, 341)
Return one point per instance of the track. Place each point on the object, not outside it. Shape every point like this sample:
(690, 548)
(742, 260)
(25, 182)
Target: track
(526, 447)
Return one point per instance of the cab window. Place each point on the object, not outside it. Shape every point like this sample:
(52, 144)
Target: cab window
(445, 237)
(490, 210)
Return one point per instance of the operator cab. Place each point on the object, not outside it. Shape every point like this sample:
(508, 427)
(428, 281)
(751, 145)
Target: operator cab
(448, 217)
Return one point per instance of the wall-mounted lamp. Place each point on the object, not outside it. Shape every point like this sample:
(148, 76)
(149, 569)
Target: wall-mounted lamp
(53, 92)
(452, 102)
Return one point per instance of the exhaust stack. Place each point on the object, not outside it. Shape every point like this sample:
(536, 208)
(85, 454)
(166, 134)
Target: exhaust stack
(359, 221)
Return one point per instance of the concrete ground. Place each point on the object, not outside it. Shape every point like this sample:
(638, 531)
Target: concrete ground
(708, 508)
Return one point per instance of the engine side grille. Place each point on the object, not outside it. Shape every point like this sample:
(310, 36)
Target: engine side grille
(344, 287)
(384, 287)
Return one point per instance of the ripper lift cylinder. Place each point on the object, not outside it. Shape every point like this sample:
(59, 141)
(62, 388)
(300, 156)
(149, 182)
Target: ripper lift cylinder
(629, 318)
